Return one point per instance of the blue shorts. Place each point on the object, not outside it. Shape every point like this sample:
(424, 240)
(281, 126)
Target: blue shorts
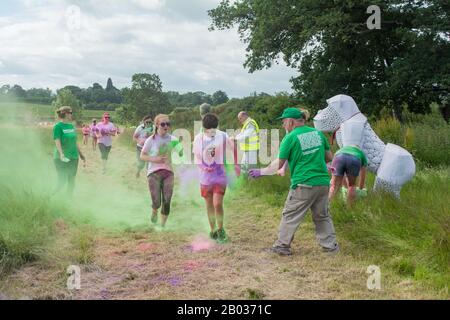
(345, 164)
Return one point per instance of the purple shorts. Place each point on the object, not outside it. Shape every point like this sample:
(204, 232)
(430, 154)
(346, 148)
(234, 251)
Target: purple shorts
(345, 164)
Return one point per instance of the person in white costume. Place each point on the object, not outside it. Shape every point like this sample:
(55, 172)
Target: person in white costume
(393, 165)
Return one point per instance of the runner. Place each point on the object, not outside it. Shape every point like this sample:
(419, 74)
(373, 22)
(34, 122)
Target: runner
(86, 131)
(210, 150)
(142, 132)
(94, 131)
(157, 151)
(106, 130)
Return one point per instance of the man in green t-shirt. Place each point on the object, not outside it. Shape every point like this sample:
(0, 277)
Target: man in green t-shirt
(306, 150)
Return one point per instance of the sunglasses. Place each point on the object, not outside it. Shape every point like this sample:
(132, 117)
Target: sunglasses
(165, 124)
(107, 117)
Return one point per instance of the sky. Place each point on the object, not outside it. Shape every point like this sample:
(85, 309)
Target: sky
(53, 43)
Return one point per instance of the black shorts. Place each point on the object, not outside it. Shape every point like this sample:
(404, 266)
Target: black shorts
(104, 151)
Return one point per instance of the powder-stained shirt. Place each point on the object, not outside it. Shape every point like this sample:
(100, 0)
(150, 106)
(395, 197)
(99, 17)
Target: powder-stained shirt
(161, 146)
(142, 134)
(210, 155)
(305, 148)
(66, 133)
(106, 131)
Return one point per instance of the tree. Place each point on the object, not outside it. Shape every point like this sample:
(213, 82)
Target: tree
(66, 98)
(109, 85)
(219, 97)
(144, 98)
(330, 45)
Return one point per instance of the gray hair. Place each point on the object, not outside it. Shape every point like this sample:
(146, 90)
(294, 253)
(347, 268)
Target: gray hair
(205, 108)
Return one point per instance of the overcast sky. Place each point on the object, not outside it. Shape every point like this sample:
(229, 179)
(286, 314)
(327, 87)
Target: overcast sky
(50, 43)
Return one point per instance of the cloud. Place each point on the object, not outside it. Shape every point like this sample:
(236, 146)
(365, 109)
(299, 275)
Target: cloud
(52, 44)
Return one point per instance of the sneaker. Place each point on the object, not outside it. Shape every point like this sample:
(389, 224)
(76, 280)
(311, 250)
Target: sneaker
(281, 251)
(213, 235)
(222, 236)
(332, 252)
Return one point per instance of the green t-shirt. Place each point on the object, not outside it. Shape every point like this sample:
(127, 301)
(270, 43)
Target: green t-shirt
(354, 151)
(68, 136)
(304, 148)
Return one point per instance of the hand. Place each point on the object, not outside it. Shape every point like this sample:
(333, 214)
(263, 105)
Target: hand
(208, 169)
(160, 159)
(254, 173)
(281, 172)
(63, 158)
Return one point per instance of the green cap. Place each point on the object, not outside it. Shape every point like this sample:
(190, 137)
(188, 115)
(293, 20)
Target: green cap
(293, 113)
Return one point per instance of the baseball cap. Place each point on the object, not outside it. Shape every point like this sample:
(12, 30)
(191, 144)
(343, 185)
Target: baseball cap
(293, 113)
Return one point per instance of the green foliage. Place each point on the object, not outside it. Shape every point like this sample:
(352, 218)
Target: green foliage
(144, 98)
(334, 51)
(427, 137)
(66, 98)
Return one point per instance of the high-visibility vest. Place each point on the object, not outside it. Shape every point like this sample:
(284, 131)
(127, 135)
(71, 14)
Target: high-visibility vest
(251, 143)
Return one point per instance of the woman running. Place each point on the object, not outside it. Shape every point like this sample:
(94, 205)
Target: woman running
(106, 130)
(157, 151)
(94, 131)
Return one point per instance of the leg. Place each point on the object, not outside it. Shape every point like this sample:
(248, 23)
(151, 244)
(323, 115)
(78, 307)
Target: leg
(140, 164)
(336, 182)
(72, 169)
(167, 192)
(218, 208)
(351, 189)
(210, 211)
(353, 169)
(324, 225)
(297, 204)
(61, 174)
(154, 186)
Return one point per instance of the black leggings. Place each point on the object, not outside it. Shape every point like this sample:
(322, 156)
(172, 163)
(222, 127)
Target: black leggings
(67, 172)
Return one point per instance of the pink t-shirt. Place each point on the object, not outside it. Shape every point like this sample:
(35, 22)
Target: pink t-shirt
(159, 146)
(106, 132)
(94, 130)
(86, 131)
(210, 156)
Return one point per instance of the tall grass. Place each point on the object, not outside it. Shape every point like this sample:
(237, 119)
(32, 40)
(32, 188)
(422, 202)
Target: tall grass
(410, 236)
(26, 228)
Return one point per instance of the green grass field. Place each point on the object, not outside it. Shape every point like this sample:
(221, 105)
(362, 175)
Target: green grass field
(20, 111)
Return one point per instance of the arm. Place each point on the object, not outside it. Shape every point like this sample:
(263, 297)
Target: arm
(147, 158)
(59, 148)
(81, 153)
(362, 177)
(246, 133)
(328, 156)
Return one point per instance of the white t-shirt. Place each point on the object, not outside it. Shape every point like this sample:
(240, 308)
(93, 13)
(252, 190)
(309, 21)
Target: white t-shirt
(161, 146)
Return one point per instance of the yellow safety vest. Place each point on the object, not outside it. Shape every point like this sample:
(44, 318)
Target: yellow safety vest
(251, 143)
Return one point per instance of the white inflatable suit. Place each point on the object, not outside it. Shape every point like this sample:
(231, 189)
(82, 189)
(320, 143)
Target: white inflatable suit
(393, 165)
